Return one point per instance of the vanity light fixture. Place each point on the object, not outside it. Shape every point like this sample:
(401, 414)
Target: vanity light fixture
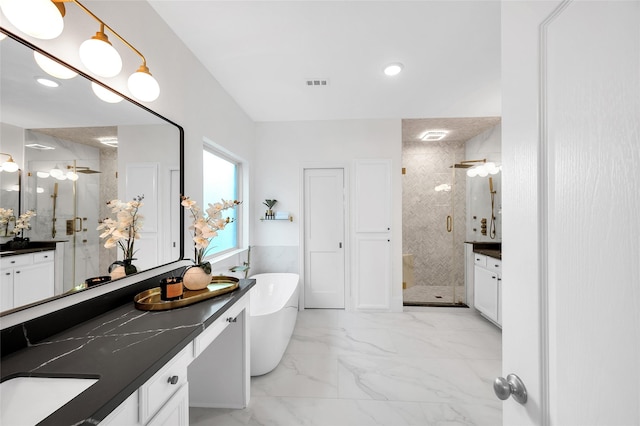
(393, 69)
(141, 83)
(52, 67)
(42, 175)
(433, 135)
(96, 53)
(38, 18)
(9, 165)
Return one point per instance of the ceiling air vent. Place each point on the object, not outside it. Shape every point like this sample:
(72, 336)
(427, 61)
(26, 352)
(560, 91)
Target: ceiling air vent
(316, 82)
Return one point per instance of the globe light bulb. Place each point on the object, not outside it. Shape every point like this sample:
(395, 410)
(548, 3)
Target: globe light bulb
(36, 18)
(143, 86)
(99, 56)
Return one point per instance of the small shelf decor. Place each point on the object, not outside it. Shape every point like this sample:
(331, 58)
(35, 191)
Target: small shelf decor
(269, 214)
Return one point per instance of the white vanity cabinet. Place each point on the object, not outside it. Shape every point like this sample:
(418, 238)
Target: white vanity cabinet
(211, 371)
(162, 400)
(26, 278)
(487, 287)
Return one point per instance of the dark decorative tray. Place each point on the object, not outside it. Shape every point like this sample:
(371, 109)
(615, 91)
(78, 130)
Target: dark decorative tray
(149, 300)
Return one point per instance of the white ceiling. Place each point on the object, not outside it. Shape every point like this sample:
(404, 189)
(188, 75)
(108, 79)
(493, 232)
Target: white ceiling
(262, 53)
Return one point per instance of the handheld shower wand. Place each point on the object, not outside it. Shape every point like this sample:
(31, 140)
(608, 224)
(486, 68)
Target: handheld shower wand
(492, 224)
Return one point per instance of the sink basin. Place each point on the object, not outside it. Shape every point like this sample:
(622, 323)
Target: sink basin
(29, 400)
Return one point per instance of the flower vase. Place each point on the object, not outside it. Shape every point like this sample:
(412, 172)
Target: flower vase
(129, 267)
(122, 268)
(18, 243)
(196, 278)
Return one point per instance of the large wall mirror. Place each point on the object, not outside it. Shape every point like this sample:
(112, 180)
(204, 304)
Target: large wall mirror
(116, 150)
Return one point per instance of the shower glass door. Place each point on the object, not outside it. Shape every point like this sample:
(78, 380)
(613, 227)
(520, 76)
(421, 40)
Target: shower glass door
(434, 199)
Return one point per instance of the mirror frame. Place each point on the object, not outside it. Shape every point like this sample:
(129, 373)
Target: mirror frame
(33, 47)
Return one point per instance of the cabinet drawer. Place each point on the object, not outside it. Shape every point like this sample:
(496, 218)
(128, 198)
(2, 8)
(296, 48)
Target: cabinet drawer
(494, 264)
(13, 261)
(479, 259)
(158, 389)
(43, 256)
(201, 342)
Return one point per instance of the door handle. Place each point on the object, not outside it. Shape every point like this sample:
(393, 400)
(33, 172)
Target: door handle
(512, 385)
(449, 223)
(76, 219)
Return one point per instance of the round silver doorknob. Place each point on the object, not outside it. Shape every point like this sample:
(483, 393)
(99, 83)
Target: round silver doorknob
(512, 385)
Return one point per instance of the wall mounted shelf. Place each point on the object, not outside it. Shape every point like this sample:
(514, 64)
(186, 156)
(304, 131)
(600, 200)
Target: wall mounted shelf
(264, 219)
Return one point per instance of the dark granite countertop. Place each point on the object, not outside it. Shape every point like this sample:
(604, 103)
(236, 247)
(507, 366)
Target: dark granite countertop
(488, 248)
(32, 247)
(123, 348)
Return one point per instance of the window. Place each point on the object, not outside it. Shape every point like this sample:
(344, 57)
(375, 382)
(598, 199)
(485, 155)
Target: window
(220, 176)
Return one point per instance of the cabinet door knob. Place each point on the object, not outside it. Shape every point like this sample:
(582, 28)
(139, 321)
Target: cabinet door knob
(173, 380)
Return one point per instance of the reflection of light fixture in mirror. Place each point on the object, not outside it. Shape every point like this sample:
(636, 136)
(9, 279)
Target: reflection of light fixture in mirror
(72, 176)
(105, 94)
(143, 86)
(47, 83)
(393, 69)
(40, 190)
(99, 56)
(42, 175)
(484, 170)
(433, 135)
(56, 172)
(53, 68)
(38, 18)
(14, 188)
(2, 36)
(9, 165)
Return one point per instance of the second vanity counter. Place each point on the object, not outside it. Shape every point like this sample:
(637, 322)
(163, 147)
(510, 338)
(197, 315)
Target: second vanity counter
(122, 348)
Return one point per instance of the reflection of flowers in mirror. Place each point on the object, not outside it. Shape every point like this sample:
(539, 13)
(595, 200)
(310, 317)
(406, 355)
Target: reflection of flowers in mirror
(6, 217)
(205, 227)
(21, 223)
(125, 228)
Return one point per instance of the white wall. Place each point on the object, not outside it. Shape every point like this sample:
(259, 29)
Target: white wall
(285, 148)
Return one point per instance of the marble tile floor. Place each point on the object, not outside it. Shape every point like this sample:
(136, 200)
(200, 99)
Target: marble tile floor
(424, 366)
(433, 294)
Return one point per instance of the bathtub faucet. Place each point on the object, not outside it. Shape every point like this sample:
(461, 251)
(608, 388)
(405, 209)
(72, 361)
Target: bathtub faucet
(245, 265)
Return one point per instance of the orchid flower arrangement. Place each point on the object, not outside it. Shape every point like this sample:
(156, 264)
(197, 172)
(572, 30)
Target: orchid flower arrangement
(6, 216)
(205, 226)
(125, 228)
(21, 223)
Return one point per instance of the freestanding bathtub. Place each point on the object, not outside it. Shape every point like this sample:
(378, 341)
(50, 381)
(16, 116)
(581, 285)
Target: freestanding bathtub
(273, 313)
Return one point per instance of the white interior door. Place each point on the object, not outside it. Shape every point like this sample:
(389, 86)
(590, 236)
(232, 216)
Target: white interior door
(571, 297)
(324, 283)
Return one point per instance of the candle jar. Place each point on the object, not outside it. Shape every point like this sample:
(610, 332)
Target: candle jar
(171, 288)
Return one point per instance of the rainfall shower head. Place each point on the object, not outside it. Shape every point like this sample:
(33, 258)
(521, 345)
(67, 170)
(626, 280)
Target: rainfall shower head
(83, 169)
(467, 164)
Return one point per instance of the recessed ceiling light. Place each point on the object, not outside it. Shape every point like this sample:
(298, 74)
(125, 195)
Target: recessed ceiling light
(433, 135)
(393, 69)
(46, 82)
